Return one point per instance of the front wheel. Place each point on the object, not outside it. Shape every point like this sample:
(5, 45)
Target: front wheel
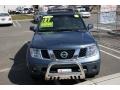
(36, 77)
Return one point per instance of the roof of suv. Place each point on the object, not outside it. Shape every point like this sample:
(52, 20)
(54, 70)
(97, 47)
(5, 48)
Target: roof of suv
(61, 12)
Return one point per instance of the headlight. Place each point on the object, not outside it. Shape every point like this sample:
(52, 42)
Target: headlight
(10, 19)
(35, 53)
(92, 50)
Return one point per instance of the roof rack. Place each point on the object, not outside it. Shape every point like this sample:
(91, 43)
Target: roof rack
(59, 11)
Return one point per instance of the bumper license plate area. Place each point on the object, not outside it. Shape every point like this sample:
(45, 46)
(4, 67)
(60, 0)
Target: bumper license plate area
(64, 70)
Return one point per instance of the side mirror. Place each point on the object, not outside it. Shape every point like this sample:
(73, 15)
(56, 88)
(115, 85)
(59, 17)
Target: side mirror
(33, 28)
(90, 26)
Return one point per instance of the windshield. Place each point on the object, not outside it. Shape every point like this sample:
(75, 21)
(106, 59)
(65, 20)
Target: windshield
(61, 22)
(42, 13)
(4, 14)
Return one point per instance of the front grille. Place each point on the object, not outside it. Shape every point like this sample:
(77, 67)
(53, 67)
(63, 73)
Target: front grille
(58, 54)
(61, 54)
(83, 52)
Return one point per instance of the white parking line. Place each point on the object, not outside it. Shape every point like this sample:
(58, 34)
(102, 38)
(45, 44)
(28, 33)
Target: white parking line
(110, 54)
(4, 70)
(24, 20)
(14, 24)
(102, 28)
(109, 48)
(18, 23)
(11, 35)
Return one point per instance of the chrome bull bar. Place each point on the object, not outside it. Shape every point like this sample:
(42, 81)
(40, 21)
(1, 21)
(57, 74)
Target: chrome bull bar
(66, 75)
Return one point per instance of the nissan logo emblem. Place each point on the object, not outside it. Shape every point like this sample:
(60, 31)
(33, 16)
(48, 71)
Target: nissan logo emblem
(64, 54)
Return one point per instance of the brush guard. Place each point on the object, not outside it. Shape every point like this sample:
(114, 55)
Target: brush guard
(66, 75)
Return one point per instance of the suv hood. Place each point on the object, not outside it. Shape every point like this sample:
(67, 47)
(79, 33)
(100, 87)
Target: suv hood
(70, 39)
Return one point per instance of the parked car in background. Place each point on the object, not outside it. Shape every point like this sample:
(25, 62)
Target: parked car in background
(5, 18)
(83, 12)
(31, 10)
(18, 12)
(12, 12)
(27, 10)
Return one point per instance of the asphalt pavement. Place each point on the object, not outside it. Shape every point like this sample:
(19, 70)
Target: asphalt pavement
(13, 46)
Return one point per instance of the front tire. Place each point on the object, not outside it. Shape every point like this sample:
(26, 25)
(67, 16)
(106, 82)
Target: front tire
(34, 76)
(37, 77)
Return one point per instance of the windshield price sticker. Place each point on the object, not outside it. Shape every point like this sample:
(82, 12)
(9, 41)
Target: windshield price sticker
(46, 22)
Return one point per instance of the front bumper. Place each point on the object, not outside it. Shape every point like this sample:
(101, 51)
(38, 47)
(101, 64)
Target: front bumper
(6, 22)
(90, 67)
(87, 66)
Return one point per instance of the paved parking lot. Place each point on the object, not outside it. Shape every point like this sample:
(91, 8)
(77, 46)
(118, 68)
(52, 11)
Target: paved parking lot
(13, 41)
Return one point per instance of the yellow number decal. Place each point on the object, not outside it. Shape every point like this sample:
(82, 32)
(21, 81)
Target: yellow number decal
(46, 22)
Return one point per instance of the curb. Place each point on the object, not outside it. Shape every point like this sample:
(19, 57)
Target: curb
(114, 33)
(24, 20)
(113, 79)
